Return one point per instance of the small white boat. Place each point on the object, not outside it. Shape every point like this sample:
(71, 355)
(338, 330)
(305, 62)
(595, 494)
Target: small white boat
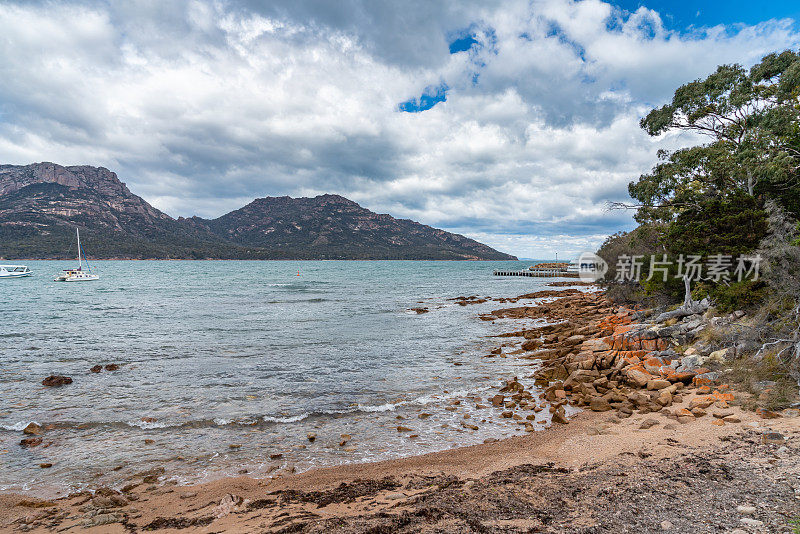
(14, 271)
(77, 275)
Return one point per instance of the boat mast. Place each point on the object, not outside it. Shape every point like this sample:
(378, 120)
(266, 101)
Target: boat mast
(78, 233)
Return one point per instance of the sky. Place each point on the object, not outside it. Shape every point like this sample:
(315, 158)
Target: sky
(512, 122)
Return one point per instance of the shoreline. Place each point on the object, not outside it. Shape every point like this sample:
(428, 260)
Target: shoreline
(252, 259)
(357, 497)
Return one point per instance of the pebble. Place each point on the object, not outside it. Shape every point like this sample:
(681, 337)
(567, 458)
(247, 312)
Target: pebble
(751, 522)
(649, 423)
(772, 438)
(102, 519)
(746, 510)
(395, 496)
(666, 525)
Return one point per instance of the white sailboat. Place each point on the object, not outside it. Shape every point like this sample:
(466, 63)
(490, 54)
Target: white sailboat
(77, 275)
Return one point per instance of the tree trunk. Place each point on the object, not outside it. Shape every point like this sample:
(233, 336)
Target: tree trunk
(690, 307)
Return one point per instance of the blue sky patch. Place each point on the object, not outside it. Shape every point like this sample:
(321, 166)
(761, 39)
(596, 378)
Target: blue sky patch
(679, 16)
(462, 44)
(432, 95)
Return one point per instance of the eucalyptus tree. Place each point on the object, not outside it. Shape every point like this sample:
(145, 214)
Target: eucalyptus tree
(751, 120)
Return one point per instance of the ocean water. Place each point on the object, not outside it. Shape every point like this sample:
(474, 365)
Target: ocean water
(250, 354)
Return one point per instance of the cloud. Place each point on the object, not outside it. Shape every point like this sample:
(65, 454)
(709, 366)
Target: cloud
(520, 133)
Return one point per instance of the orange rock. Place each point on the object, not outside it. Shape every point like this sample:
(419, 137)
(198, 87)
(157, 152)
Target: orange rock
(704, 389)
(766, 414)
(697, 381)
(649, 344)
(722, 396)
(684, 377)
(718, 422)
(684, 411)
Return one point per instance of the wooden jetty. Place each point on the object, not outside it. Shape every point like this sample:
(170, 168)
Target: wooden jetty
(537, 273)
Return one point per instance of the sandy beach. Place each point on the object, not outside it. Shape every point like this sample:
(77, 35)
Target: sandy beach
(597, 474)
(652, 470)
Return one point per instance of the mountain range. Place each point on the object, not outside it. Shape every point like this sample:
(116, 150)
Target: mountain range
(41, 204)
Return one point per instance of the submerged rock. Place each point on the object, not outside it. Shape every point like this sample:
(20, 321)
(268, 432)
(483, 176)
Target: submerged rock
(56, 380)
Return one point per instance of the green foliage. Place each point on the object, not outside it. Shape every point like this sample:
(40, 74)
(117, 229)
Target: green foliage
(744, 295)
(751, 119)
(731, 226)
(710, 199)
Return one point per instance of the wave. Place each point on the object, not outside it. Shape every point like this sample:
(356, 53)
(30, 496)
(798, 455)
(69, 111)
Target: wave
(296, 301)
(254, 420)
(18, 427)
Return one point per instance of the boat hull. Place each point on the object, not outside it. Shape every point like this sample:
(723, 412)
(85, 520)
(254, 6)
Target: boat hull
(76, 279)
(16, 275)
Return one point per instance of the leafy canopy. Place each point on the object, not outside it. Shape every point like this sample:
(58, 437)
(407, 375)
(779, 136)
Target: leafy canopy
(751, 118)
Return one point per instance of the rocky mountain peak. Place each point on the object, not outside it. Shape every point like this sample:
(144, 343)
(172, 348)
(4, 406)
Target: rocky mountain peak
(15, 177)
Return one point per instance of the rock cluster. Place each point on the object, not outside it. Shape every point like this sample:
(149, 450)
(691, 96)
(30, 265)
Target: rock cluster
(604, 358)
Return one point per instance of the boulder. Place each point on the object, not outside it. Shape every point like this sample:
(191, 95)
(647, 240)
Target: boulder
(497, 401)
(718, 356)
(665, 397)
(596, 345)
(657, 384)
(638, 377)
(560, 417)
(599, 404)
(33, 429)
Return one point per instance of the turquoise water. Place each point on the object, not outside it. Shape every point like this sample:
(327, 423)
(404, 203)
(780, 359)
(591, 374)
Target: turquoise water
(249, 354)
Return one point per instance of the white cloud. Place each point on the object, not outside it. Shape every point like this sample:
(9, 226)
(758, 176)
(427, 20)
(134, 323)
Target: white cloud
(201, 106)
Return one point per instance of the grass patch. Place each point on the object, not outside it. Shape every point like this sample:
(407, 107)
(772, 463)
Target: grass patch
(767, 381)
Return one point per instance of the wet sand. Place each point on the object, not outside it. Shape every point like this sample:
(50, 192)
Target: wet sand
(453, 491)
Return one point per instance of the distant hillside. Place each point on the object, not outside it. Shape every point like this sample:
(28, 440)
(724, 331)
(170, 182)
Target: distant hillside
(42, 203)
